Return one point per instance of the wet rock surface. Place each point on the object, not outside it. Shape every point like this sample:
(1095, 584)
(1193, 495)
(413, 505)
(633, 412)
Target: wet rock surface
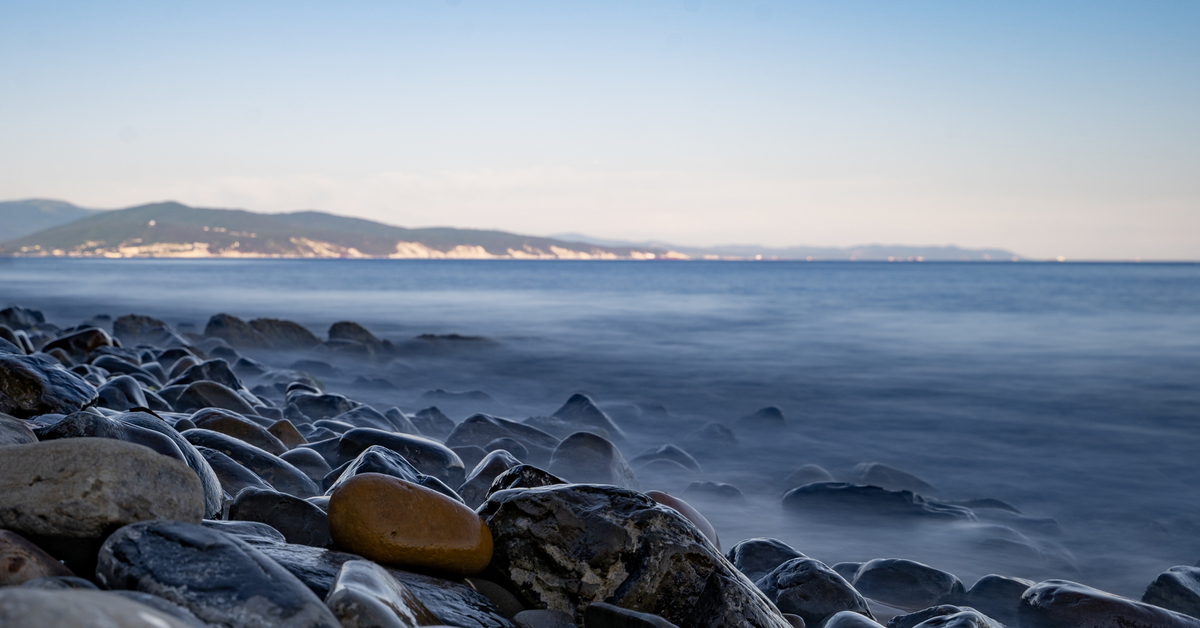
(297, 520)
(21, 561)
(31, 386)
(907, 583)
(35, 608)
(1177, 589)
(811, 590)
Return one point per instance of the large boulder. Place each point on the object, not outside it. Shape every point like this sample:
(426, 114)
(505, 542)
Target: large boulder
(565, 547)
(586, 457)
(31, 386)
(428, 456)
(218, 577)
(907, 583)
(1177, 589)
(277, 472)
(236, 332)
(22, 607)
(853, 503)
(365, 595)
(68, 495)
(810, 589)
(1058, 603)
(403, 524)
(758, 557)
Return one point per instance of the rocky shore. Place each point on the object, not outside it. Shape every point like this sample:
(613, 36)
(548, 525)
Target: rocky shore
(151, 478)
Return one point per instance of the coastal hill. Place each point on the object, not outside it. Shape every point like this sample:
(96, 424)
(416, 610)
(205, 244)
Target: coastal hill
(44, 228)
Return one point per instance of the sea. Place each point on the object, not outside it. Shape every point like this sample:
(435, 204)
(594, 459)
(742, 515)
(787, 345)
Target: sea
(1069, 391)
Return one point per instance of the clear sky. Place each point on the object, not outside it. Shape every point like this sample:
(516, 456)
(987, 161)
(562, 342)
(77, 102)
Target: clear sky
(1050, 128)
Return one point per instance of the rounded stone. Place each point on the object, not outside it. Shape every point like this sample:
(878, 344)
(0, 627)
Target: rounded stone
(392, 521)
(79, 608)
(21, 561)
(691, 514)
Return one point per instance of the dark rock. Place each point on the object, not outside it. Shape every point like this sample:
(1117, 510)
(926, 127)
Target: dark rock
(510, 445)
(88, 425)
(246, 530)
(945, 616)
(249, 369)
(134, 330)
(433, 423)
(320, 406)
(162, 606)
(240, 428)
(850, 619)
(9, 347)
(334, 426)
(429, 457)
(14, 431)
(218, 577)
(847, 570)
(116, 365)
(366, 595)
(716, 491)
(180, 366)
(580, 413)
(565, 547)
(907, 583)
(299, 521)
(883, 476)
(79, 344)
(319, 368)
(349, 330)
(808, 474)
(769, 419)
(30, 386)
(121, 393)
(586, 457)
(208, 479)
(475, 489)
(523, 476)
(1058, 603)
(481, 429)
(60, 582)
(287, 433)
(853, 503)
(378, 459)
(667, 452)
(1176, 589)
(18, 317)
(281, 334)
(601, 615)
(366, 416)
(155, 402)
(278, 473)
(760, 556)
(236, 332)
(21, 561)
(217, 370)
(309, 462)
(66, 496)
(206, 394)
(712, 438)
(401, 422)
(506, 602)
(470, 455)
(540, 618)
(998, 597)
(808, 588)
(232, 476)
(75, 608)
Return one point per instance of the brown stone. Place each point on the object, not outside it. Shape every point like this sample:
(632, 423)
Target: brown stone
(21, 561)
(242, 429)
(287, 434)
(399, 523)
(689, 513)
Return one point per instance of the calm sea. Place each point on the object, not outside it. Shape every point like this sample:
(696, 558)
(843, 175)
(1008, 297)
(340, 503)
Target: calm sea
(1071, 391)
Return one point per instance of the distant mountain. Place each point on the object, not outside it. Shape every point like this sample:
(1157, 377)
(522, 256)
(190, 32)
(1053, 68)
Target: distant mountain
(21, 218)
(176, 230)
(865, 252)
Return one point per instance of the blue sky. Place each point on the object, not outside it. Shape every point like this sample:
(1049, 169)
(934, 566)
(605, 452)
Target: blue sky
(1064, 128)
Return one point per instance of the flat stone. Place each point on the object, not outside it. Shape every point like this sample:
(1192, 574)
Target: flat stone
(365, 595)
(76, 608)
(564, 547)
(218, 577)
(811, 590)
(67, 496)
(758, 557)
(21, 561)
(429, 457)
(907, 583)
(1056, 603)
(586, 457)
(1177, 589)
(299, 521)
(399, 523)
(284, 477)
(31, 386)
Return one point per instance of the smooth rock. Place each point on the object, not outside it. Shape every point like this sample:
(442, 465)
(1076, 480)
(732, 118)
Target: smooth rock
(475, 489)
(810, 589)
(429, 457)
(511, 445)
(287, 433)
(769, 419)
(55, 583)
(242, 429)
(565, 547)
(602, 615)
(470, 455)
(79, 344)
(30, 387)
(74, 608)
(907, 583)
(381, 460)
(14, 431)
(162, 606)
(586, 457)
(481, 429)
(246, 530)
(133, 330)
(309, 462)
(688, 512)
(945, 616)
(999, 597)
(580, 413)
(277, 472)
(541, 618)
(366, 416)
(18, 317)
(758, 557)
(282, 334)
(297, 520)
(21, 561)
(191, 456)
(365, 595)
(66, 496)
(235, 331)
(852, 503)
(1058, 603)
(846, 570)
(402, 423)
(352, 331)
(206, 394)
(523, 476)
(850, 619)
(232, 476)
(714, 491)
(399, 523)
(808, 474)
(667, 452)
(881, 475)
(88, 425)
(433, 422)
(318, 406)
(1177, 589)
(216, 370)
(218, 577)
(506, 602)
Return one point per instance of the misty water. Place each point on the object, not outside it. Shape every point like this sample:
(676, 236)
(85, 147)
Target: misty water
(1070, 391)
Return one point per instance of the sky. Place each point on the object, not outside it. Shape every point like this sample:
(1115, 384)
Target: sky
(1048, 128)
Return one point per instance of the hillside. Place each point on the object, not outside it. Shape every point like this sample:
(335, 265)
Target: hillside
(864, 252)
(176, 230)
(21, 218)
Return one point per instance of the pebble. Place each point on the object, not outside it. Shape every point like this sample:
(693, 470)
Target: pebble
(400, 523)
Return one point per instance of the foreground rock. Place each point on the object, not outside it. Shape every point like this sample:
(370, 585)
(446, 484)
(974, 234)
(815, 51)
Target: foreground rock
(1057, 603)
(381, 460)
(565, 547)
(365, 595)
(808, 588)
(218, 577)
(400, 523)
(601, 615)
(21, 561)
(67, 496)
(1177, 589)
(299, 521)
(907, 583)
(30, 386)
(79, 608)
